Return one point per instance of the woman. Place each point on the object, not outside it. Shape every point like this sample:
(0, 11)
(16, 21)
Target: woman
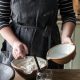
(29, 26)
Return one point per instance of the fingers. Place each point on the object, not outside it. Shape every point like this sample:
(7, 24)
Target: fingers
(67, 40)
(25, 49)
(17, 54)
(19, 51)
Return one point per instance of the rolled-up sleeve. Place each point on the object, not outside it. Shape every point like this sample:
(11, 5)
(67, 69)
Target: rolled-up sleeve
(66, 11)
(4, 13)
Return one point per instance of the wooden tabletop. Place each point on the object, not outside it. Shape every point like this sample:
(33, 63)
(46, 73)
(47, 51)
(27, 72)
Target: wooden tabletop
(59, 74)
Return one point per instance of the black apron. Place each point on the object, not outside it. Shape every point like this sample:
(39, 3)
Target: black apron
(34, 23)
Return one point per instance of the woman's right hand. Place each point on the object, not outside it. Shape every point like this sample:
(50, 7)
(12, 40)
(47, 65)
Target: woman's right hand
(20, 50)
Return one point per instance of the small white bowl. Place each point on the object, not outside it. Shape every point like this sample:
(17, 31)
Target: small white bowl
(6, 72)
(61, 53)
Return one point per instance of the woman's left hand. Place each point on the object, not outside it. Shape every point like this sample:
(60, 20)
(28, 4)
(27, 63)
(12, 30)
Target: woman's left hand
(66, 39)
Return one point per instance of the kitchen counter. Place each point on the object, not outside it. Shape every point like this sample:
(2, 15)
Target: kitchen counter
(59, 74)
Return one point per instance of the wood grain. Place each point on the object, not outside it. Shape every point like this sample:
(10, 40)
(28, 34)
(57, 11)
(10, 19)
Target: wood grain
(59, 74)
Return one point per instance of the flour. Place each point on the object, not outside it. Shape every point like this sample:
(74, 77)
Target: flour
(30, 65)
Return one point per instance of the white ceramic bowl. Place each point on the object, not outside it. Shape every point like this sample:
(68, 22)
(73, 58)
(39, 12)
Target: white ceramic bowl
(61, 53)
(6, 72)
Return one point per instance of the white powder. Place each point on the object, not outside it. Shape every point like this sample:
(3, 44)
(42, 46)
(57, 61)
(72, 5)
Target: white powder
(30, 65)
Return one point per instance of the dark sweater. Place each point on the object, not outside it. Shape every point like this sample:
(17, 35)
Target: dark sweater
(65, 6)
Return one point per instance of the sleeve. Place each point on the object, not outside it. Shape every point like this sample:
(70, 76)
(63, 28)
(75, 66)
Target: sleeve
(4, 13)
(66, 11)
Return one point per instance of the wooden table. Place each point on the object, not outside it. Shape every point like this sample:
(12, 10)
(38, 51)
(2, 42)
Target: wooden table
(59, 74)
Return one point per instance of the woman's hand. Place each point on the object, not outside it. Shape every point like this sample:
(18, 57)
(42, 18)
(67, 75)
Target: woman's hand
(67, 31)
(20, 50)
(66, 39)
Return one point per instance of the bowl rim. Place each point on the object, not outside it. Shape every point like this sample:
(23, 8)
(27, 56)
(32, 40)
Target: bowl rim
(18, 68)
(65, 55)
(13, 74)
